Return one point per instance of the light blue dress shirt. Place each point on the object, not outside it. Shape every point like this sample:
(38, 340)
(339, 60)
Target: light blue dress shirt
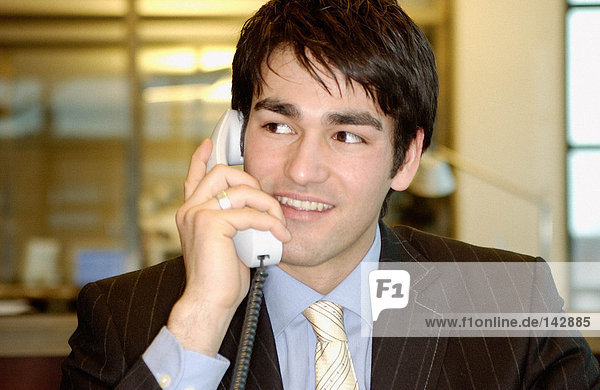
(286, 298)
(295, 340)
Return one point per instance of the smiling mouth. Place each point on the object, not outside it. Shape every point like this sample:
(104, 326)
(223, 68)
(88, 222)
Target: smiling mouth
(303, 205)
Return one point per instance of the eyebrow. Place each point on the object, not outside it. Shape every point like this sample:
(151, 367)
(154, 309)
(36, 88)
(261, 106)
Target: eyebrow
(360, 118)
(278, 107)
(355, 118)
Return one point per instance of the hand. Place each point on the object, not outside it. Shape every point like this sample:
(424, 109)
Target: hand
(216, 280)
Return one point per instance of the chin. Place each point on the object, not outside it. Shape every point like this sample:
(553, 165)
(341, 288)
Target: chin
(300, 256)
(297, 261)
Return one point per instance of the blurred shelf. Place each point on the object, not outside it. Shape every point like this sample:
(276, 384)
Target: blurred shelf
(20, 291)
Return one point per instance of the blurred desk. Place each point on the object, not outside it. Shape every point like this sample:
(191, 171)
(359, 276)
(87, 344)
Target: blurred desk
(595, 346)
(36, 335)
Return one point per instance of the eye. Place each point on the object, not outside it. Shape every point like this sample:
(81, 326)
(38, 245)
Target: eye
(278, 128)
(346, 137)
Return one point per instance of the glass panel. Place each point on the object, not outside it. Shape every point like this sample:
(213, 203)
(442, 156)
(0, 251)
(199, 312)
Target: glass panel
(64, 139)
(194, 31)
(81, 106)
(186, 89)
(583, 193)
(587, 301)
(36, 32)
(64, 7)
(584, 2)
(187, 60)
(20, 102)
(584, 228)
(198, 7)
(583, 77)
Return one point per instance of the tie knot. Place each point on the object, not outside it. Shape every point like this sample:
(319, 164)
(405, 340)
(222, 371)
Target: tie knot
(327, 320)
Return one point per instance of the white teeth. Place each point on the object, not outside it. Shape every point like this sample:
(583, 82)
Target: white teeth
(305, 205)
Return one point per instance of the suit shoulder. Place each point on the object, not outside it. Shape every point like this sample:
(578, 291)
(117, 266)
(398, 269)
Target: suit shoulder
(126, 312)
(444, 249)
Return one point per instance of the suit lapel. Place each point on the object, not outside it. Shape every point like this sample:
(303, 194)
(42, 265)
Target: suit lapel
(406, 362)
(264, 366)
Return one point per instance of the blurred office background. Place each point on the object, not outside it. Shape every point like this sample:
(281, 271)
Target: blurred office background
(102, 103)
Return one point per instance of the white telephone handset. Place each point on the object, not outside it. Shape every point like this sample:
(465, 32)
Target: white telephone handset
(251, 245)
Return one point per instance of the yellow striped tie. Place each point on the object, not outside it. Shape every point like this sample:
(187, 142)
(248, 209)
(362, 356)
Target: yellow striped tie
(333, 364)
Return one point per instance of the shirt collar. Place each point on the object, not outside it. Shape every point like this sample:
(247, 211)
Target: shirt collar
(283, 308)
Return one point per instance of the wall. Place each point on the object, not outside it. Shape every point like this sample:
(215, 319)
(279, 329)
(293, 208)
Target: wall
(508, 115)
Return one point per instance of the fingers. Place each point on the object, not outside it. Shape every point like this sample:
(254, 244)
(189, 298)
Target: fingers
(242, 189)
(243, 196)
(255, 204)
(197, 169)
(200, 185)
(220, 178)
(248, 218)
(228, 222)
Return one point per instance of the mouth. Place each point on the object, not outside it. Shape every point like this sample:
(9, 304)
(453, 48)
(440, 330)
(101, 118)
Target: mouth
(303, 205)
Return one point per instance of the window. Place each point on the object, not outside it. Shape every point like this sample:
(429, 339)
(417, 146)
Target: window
(102, 103)
(583, 154)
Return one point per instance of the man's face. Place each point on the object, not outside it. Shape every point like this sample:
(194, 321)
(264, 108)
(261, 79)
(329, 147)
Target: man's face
(326, 157)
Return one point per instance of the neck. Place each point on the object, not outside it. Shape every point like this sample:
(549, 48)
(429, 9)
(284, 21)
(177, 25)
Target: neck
(322, 278)
(326, 276)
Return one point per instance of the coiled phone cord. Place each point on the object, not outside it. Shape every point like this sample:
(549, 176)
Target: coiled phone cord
(242, 361)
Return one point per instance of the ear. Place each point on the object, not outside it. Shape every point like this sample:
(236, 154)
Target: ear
(407, 171)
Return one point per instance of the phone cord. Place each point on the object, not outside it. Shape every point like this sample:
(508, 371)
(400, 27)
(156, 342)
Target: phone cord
(242, 361)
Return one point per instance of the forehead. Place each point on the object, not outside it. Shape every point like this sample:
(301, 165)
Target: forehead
(282, 73)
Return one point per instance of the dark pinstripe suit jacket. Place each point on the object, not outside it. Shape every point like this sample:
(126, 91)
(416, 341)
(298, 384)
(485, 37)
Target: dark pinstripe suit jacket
(119, 318)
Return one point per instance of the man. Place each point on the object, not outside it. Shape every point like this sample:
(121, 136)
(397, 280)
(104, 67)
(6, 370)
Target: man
(338, 99)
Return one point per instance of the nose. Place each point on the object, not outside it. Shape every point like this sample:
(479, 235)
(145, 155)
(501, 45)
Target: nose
(306, 161)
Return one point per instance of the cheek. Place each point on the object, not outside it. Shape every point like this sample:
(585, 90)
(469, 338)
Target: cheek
(375, 167)
(368, 180)
(258, 161)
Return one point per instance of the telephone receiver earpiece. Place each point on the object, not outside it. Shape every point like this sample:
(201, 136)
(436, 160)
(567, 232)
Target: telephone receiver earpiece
(255, 248)
(251, 245)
